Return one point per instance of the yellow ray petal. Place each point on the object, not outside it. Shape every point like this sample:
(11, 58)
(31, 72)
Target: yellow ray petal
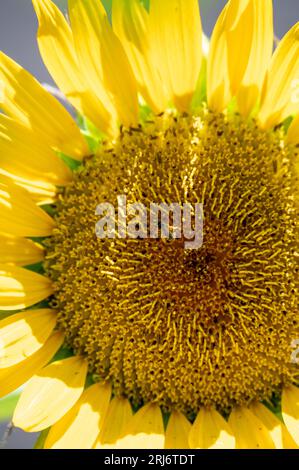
(102, 57)
(40, 192)
(19, 215)
(290, 410)
(177, 431)
(15, 376)
(211, 431)
(293, 132)
(21, 335)
(20, 288)
(19, 251)
(131, 24)
(113, 430)
(249, 431)
(259, 58)
(50, 394)
(56, 45)
(278, 431)
(24, 99)
(226, 66)
(145, 430)
(280, 93)
(27, 157)
(79, 428)
(177, 38)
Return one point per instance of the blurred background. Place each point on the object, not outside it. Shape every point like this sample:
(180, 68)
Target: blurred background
(18, 27)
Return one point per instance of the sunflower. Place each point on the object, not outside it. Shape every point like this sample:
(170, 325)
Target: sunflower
(140, 342)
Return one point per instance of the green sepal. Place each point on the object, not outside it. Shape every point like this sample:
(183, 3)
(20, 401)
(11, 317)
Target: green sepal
(146, 4)
(70, 162)
(63, 353)
(40, 442)
(200, 93)
(286, 123)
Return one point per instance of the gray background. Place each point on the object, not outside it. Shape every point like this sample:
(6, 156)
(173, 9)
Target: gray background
(18, 27)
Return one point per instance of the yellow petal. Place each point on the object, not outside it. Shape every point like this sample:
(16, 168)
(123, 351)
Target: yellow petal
(131, 24)
(15, 376)
(145, 430)
(27, 157)
(293, 132)
(211, 431)
(290, 411)
(19, 215)
(102, 57)
(56, 45)
(113, 429)
(249, 431)
(19, 251)
(280, 94)
(177, 431)
(177, 36)
(21, 335)
(278, 431)
(50, 394)
(260, 56)
(24, 99)
(39, 191)
(79, 428)
(226, 65)
(20, 288)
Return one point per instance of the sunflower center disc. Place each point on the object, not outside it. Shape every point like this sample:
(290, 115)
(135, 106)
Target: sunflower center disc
(184, 328)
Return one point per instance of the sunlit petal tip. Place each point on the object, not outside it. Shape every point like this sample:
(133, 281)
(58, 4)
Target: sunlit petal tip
(13, 377)
(40, 192)
(21, 288)
(50, 394)
(113, 429)
(19, 214)
(22, 334)
(211, 431)
(278, 431)
(249, 431)
(87, 414)
(290, 410)
(177, 431)
(144, 430)
(19, 251)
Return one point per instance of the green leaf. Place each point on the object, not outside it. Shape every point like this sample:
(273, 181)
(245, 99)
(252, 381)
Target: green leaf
(41, 439)
(7, 406)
